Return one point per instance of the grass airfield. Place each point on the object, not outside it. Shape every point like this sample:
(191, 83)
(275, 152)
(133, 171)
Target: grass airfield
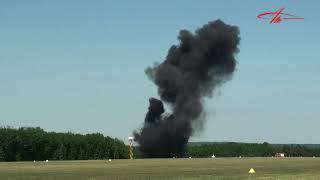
(204, 168)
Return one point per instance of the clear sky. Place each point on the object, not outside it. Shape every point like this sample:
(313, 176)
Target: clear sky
(79, 66)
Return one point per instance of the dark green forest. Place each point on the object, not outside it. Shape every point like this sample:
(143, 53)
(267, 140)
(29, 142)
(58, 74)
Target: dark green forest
(233, 149)
(28, 144)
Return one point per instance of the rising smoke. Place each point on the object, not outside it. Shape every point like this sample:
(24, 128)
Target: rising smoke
(191, 71)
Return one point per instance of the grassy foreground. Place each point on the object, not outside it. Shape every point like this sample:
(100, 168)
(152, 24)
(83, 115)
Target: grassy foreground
(217, 168)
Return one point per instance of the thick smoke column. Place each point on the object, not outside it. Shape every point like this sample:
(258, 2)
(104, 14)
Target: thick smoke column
(191, 71)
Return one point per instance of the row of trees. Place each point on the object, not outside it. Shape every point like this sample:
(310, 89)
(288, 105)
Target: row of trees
(250, 150)
(28, 144)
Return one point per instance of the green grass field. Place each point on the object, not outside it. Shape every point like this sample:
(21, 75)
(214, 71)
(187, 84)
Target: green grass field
(217, 168)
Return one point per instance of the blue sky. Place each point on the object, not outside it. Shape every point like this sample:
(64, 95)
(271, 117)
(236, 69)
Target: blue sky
(79, 66)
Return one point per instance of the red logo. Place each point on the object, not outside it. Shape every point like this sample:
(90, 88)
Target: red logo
(278, 16)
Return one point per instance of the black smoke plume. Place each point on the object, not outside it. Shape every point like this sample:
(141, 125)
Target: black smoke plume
(191, 71)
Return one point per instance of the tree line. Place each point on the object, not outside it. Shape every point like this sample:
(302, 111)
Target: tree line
(251, 150)
(29, 144)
